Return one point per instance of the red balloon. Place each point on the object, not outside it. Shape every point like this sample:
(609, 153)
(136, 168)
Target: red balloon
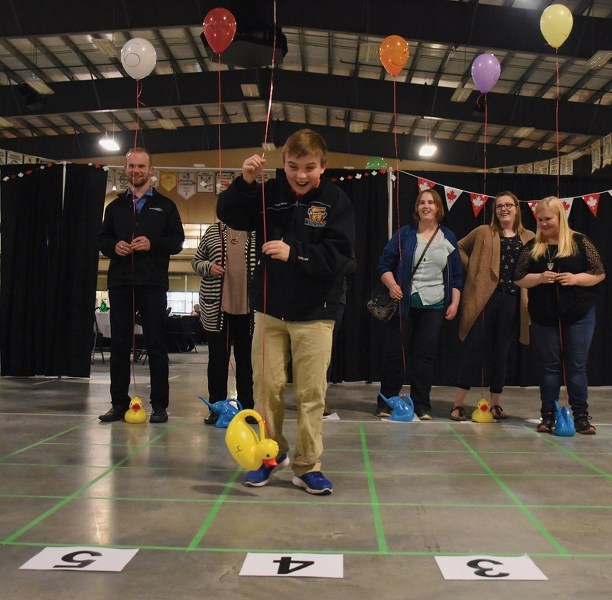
(219, 29)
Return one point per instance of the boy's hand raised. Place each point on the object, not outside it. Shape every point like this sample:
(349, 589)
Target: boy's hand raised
(251, 167)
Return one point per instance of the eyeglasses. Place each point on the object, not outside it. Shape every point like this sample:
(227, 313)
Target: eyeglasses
(507, 206)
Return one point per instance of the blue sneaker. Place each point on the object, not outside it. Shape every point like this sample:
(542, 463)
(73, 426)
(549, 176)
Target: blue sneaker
(263, 474)
(314, 483)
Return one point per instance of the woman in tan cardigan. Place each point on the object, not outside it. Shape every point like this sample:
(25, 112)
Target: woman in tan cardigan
(491, 305)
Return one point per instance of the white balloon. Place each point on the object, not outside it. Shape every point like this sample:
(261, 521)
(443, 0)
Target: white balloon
(138, 57)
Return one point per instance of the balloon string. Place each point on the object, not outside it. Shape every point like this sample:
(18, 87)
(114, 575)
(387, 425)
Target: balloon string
(138, 103)
(561, 347)
(219, 114)
(264, 222)
(557, 122)
(397, 208)
(486, 123)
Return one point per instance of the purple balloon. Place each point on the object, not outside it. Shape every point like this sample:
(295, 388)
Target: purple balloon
(485, 72)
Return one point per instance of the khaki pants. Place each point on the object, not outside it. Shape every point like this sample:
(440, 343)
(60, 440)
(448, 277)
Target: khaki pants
(308, 344)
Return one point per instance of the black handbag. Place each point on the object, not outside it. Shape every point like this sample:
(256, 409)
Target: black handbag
(381, 305)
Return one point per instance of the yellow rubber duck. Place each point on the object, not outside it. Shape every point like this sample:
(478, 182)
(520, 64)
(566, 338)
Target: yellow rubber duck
(136, 413)
(247, 449)
(482, 413)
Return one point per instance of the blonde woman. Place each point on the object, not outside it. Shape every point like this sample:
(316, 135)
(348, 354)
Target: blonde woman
(493, 309)
(561, 269)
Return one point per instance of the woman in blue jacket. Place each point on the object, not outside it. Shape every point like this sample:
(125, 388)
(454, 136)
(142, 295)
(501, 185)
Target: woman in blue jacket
(421, 267)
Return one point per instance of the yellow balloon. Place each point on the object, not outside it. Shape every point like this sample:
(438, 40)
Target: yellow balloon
(556, 24)
(247, 449)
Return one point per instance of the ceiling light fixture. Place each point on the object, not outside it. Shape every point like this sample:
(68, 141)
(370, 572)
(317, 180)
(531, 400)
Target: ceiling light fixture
(356, 127)
(461, 94)
(109, 143)
(5, 122)
(40, 87)
(167, 124)
(249, 90)
(428, 149)
(524, 132)
(599, 59)
(105, 46)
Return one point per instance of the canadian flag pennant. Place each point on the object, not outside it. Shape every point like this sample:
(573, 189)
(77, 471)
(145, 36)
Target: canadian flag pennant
(451, 195)
(592, 201)
(478, 202)
(567, 205)
(425, 184)
(532, 205)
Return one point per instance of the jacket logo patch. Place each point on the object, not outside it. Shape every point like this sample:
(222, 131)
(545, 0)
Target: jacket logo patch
(316, 216)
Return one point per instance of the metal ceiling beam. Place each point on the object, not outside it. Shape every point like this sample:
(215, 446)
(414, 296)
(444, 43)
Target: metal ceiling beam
(299, 88)
(250, 135)
(471, 24)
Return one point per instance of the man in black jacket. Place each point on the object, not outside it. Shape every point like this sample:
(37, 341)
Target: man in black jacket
(141, 229)
(305, 238)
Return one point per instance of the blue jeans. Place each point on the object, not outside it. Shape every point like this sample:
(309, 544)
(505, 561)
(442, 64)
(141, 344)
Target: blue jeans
(569, 351)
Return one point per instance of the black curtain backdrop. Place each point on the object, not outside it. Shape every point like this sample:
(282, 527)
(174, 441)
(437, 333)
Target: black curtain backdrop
(49, 267)
(358, 355)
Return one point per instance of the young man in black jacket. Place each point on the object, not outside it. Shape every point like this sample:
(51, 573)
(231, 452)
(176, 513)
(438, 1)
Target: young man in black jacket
(305, 237)
(141, 229)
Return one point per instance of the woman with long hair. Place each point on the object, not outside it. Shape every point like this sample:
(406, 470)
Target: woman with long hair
(561, 269)
(492, 306)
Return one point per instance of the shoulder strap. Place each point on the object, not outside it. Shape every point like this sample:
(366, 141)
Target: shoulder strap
(431, 239)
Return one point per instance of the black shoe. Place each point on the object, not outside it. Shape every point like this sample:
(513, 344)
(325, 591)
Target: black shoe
(159, 415)
(116, 413)
(211, 418)
(583, 425)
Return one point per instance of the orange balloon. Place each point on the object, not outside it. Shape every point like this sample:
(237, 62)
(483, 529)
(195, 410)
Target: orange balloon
(393, 54)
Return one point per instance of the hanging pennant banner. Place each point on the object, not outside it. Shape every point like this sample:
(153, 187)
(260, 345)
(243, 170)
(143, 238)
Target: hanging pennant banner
(567, 166)
(478, 202)
(451, 194)
(425, 184)
(167, 179)
(532, 205)
(607, 150)
(206, 182)
(541, 167)
(595, 156)
(186, 189)
(592, 202)
(525, 168)
(223, 181)
(567, 205)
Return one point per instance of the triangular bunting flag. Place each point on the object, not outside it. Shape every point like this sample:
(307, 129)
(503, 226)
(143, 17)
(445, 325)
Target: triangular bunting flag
(478, 202)
(425, 184)
(567, 205)
(592, 201)
(532, 205)
(451, 194)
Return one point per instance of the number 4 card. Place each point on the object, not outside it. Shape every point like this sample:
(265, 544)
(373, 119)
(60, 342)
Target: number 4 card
(293, 565)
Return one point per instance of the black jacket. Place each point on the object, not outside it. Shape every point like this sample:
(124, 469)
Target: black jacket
(159, 220)
(320, 230)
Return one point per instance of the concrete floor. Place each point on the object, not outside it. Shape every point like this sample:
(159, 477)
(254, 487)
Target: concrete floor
(403, 494)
